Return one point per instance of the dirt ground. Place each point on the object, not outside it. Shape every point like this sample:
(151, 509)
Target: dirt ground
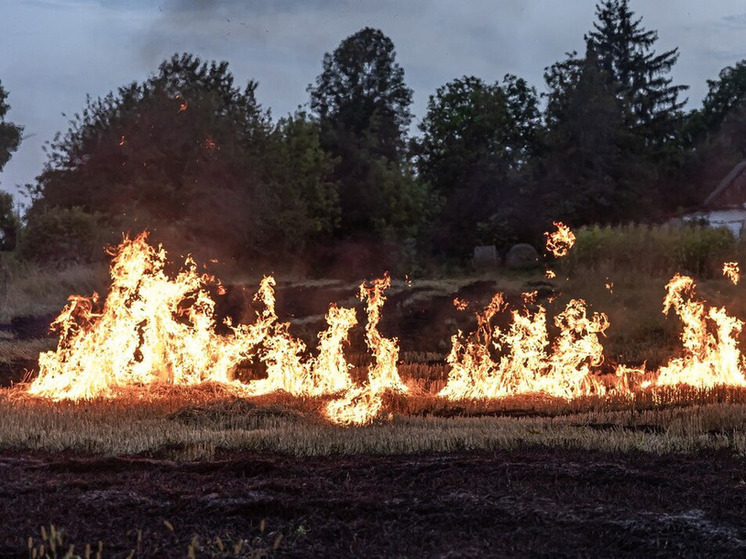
(529, 502)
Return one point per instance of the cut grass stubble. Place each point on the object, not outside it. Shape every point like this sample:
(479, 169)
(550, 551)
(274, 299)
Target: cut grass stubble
(208, 423)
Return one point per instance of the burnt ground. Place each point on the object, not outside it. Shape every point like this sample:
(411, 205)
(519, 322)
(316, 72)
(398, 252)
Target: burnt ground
(528, 502)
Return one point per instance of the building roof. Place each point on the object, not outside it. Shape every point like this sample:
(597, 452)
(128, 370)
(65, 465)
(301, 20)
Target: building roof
(730, 192)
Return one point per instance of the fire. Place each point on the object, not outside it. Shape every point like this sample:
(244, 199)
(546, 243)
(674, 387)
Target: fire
(210, 144)
(183, 104)
(710, 341)
(154, 329)
(559, 242)
(151, 329)
(732, 272)
(288, 366)
(157, 328)
(519, 360)
(460, 304)
(362, 403)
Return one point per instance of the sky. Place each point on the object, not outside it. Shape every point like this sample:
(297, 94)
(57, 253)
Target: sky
(53, 53)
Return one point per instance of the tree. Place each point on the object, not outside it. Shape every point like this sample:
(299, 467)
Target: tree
(476, 138)
(361, 91)
(186, 154)
(362, 105)
(561, 79)
(10, 139)
(587, 170)
(9, 222)
(725, 96)
(625, 51)
(715, 133)
(303, 200)
(614, 148)
(10, 134)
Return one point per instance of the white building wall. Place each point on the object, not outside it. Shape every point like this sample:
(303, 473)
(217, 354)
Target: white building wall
(734, 219)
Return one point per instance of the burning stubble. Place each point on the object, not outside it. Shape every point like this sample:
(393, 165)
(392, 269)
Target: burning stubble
(157, 329)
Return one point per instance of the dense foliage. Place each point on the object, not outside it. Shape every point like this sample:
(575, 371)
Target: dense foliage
(195, 159)
(10, 139)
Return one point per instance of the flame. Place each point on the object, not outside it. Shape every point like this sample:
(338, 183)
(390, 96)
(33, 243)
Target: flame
(559, 242)
(151, 329)
(526, 364)
(288, 366)
(362, 403)
(184, 103)
(460, 304)
(157, 328)
(732, 272)
(209, 143)
(550, 274)
(710, 341)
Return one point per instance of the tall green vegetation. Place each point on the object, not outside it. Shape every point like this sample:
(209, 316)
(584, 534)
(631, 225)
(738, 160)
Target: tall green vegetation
(715, 132)
(362, 105)
(10, 133)
(193, 158)
(10, 139)
(477, 139)
(196, 159)
(650, 102)
(613, 122)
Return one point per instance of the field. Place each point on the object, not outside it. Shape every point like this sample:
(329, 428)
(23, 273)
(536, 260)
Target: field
(205, 471)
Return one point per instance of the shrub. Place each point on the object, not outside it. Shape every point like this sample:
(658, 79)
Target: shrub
(63, 235)
(655, 250)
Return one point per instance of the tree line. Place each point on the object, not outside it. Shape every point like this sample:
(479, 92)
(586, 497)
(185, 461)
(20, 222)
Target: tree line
(194, 158)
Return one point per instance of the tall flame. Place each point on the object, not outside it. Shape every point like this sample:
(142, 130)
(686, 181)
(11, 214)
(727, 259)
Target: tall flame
(362, 403)
(289, 367)
(526, 364)
(150, 329)
(710, 341)
(159, 328)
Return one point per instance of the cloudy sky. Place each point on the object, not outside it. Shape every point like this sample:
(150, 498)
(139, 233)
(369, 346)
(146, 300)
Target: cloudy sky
(55, 52)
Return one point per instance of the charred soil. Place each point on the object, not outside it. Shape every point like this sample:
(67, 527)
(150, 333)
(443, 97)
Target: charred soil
(525, 502)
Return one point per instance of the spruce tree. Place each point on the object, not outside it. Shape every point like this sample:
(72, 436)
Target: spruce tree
(640, 75)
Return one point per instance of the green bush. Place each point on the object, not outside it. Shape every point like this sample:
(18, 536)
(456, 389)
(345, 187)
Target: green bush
(63, 235)
(655, 250)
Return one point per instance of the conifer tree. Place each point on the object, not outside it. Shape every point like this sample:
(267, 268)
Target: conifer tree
(625, 51)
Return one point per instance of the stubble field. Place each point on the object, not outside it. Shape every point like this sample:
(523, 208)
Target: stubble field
(207, 472)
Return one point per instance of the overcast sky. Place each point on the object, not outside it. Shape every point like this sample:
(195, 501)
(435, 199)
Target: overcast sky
(54, 52)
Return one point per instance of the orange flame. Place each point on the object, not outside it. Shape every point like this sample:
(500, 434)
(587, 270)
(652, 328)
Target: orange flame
(288, 366)
(526, 366)
(460, 304)
(559, 242)
(732, 272)
(361, 404)
(709, 358)
(158, 328)
(184, 103)
(151, 329)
